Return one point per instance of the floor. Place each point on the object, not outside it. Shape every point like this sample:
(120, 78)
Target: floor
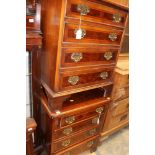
(116, 144)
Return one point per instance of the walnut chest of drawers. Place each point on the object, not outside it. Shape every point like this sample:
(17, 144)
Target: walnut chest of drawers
(77, 74)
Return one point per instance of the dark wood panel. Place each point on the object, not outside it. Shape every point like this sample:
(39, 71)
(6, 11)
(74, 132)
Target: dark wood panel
(88, 56)
(93, 35)
(96, 12)
(74, 79)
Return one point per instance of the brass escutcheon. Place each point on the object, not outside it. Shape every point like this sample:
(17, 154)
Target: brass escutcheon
(117, 18)
(67, 131)
(113, 36)
(99, 110)
(76, 57)
(104, 75)
(73, 80)
(66, 143)
(70, 120)
(83, 9)
(108, 55)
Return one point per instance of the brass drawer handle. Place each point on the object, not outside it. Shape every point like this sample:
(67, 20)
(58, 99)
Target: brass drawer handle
(112, 36)
(70, 120)
(89, 144)
(66, 143)
(81, 33)
(117, 18)
(104, 75)
(92, 132)
(73, 80)
(83, 9)
(108, 55)
(99, 110)
(76, 57)
(68, 131)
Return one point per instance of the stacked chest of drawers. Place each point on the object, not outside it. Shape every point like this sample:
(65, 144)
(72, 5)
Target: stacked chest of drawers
(77, 74)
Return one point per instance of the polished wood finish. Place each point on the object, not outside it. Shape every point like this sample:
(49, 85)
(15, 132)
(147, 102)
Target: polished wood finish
(98, 13)
(77, 74)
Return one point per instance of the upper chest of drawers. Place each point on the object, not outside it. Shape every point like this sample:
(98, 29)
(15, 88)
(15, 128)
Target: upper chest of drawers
(66, 57)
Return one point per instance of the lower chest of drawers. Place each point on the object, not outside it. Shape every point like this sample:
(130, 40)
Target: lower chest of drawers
(67, 131)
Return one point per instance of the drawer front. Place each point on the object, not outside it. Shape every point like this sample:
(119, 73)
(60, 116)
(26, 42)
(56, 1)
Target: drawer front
(74, 79)
(121, 93)
(103, 35)
(118, 120)
(63, 144)
(32, 22)
(120, 107)
(70, 130)
(88, 56)
(76, 150)
(71, 119)
(95, 12)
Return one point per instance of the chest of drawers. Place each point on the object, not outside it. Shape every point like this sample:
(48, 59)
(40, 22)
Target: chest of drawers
(77, 74)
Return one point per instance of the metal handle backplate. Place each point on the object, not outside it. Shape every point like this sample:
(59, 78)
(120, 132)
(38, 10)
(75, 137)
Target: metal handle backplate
(117, 18)
(66, 143)
(73, 80)
(76, 57)
(99, 110)
(108, 55)
(70, 120)
(83, 9)
(67, 131)
(113, 36)
(104, 75)
(89, 144)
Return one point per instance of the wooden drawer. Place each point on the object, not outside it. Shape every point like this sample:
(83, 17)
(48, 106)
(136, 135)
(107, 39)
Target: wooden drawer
(80, 78)
(117, 120)
(79, 148)
(121, 93)
(81, 116)
(70, 130)
(93, 35)
(120, 107)
(63, 144)
(88, 56)
(95, 12)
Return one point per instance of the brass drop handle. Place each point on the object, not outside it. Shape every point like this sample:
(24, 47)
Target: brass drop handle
(108, 55)
(67, 153)
(113, 36)
(70, 120)
(83, 9)
(76, 57)
(99, 110)
(73, 80)
(92, 132)
(67, 131)
(89, 144)
(66, 143)
(117, 18)
(104, 75)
